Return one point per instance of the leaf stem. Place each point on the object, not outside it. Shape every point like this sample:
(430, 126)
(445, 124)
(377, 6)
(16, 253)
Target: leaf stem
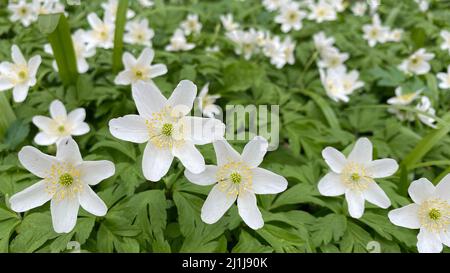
(121, 20)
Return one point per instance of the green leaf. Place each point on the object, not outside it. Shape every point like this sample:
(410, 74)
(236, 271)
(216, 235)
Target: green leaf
(329, 228)
(281, 239)
(16, 134)
(249, 244)
(326, 109)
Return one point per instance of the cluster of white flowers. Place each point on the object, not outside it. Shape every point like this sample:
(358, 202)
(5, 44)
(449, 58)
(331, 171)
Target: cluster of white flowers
(377, 33)
(250, 42)
(417, 63)
(423, 104)
(190, 26)
(28, 12)
(337, 81)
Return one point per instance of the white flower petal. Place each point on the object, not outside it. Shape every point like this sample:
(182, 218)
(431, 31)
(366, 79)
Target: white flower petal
(68, 151)
(148, 99)
(216, 204)
(44, 139)
(254, 151)
(157, 70)
(33, 65)
(407, 216)
(225, 153)
(128, 60)
(331, 185)
(428, 242)
(267, 182)
(20, 92)
(58, 110)
(375, 195)
(43, 123)
(190, 157)
(5, 83)
(17, 55)
(91, 202)
(420, 190)
(34, 196)
(76, 116)
(124, 78)
(182, 98)
(36, 162)
(205, 178)
(130, 128)
(335, 159)
(355, 202)
(93, 172)
(146, 57)
(382, 167)
(80, 129)
(156, 162)
(249, 211)
(443, 188)
(362, 151)
(64, 214)
(203, 130)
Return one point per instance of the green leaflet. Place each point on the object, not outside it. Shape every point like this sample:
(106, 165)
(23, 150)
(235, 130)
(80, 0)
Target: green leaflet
(7, 116)
(326, 109)
(57, 29)
(121, 19)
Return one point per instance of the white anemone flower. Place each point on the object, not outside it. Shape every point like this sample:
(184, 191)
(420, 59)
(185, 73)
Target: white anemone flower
(446, 40)
(205, 103)
(102, 32)
(60, 125)
(272, 5)
(81, 48)
(191, 25)
(417, 63)
(444, 79)
(354, 176)
(333, 59)
(138, 33)
(140, 69)
(290, 17)
(403, 98)
(23, 12)
(333, 85)
(66, 181)
(323, 43)
(237, 177)
(111, 8)
(178, 42)
(168, 130)
(359, 8)
(425, 106)
(430, 213)
(395, 35)
(375, 33)
(146, 3)
(20, 75)
(228, 22)
(48, 6)
(322, 11)
(246, 42)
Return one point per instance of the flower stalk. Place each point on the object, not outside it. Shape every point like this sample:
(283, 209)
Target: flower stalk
(121, 20)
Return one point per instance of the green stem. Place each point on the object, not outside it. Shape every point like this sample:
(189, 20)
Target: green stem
(7, 116)
(58, 33)
(121, 19)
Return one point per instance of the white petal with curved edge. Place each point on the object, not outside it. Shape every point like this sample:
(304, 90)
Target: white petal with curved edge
(34, 196)
(407, 216)
(445, 237)
(64, 214)
(254, 151)
(93, 172)
(202, 130)
(20, 92)
(44, 139)
(183, 97)
(335, 159)
(428, 242)
(249, 211)
(43, 123)
(68, 151)
(130, 128)
(91, 202)
(82, 65)
(128, 60)
(148, 99)
(362, 151)
(225, 153)
(17, 55)
(5, 83)
(80, 129)
(158, 70)
(156, 162)
(443, 188)
(36, 162)
(355, 202)
(331, 185)
(375, 195)
(382, 167)
(216, 204)
(267, 182)
(124, 78)
(76, 116)
(146, 57)
(94, 21)
(420, 190)
(190, 157)
(58, 110)
(33, 65)
(205, 178)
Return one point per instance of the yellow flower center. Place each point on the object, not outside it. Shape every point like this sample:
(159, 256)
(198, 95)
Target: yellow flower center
(66, 180)
(61, 129)
(434, 215)
(63, 181)
(234, 178)
(162, 130)
(355, 176)
(167, 129)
